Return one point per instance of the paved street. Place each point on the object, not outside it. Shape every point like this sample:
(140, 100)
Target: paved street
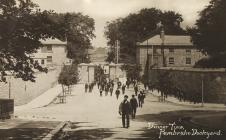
(90, 112)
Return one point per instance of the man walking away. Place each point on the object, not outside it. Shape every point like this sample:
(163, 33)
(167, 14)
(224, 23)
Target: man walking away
(111, 90)
(119, 84)
(134, 105)
(125, 110)
(123, 89)
(90, 88)
(86, 87)
(127, 83)
(117, 92)
(106, 90)
(139, 99)
(142, 97)
(136, 89)
(101, 92)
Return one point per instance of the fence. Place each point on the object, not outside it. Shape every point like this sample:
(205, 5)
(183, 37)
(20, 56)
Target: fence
(6, 108)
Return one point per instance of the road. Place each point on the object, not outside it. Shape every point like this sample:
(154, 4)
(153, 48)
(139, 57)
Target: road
(91, 115)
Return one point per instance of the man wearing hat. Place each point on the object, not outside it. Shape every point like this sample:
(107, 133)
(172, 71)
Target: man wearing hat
(125, 110)
(134, 105)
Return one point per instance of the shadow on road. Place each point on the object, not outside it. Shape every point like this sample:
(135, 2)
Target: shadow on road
(27, 130)
(202, 121)
(71, 132)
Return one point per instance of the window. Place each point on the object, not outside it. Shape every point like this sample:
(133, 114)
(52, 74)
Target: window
(171, 50)
(42, 61)
(188, 60)
(188, 51)
(43, 49)
(171, 60)
(49, 59)
(155, 61)
(49, 48)
(154, 51)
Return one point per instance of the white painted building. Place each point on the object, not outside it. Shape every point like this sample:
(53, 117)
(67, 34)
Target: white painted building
(53, 53)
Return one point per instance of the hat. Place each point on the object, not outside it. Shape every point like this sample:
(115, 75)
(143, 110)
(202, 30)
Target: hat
(126, 96)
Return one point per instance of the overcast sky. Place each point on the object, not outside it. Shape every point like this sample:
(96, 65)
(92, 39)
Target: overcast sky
(106, 10)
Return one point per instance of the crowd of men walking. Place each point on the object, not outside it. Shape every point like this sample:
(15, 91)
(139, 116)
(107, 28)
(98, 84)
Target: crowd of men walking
(127, 107)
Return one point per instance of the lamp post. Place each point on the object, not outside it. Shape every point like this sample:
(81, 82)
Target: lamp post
(162, 36)
(9, 86)
(147, 65)
(147, 60)
(202, 86)
(88, 74)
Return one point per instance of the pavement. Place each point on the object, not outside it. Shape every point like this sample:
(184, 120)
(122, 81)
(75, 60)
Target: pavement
(91, 112)
(206, 106)
(43, 100)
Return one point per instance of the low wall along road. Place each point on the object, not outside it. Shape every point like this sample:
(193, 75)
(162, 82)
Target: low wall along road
(23, 92)
(189, 81)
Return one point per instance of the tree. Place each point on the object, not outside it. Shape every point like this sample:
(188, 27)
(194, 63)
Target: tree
(79, 32)
(23, 25)
(209, 33)
(137, 27)
(110, 57)
(68, 77)
(132, 72)
(99, 74)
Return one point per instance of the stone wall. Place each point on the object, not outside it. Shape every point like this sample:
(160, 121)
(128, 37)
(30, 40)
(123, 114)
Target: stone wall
(189, 81)
(22, 92)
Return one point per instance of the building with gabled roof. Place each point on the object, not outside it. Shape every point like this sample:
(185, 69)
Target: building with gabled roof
(167, 51)
(52, 53)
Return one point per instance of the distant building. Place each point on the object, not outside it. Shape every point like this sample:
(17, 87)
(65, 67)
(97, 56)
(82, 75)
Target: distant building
(178, 50)
(53, 53)
(98, 55)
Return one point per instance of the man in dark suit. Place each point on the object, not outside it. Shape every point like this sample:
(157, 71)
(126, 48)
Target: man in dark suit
(125, 110)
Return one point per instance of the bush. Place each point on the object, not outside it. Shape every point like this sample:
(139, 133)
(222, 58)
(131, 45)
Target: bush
(218, 61)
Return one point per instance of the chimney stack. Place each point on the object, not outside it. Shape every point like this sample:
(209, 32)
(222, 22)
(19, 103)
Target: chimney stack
(162, 35)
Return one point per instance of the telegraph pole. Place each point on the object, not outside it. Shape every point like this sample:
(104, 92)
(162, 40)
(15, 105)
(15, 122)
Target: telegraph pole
(117, 51)
(9, 86)
(147, 65)
(202, 76)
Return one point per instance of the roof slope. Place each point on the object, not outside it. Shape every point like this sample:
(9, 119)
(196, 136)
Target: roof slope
(170, 40)
(53, 42)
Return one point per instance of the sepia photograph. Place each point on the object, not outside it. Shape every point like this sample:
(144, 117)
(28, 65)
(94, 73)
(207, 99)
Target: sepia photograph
(112, 69)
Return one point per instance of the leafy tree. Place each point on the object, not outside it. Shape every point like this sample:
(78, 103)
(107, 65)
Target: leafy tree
(215, 61)
(132, 72)
(68, 77)
(99, 74)
(23, 25)
(209, 33)
(79, 32)
(136, 27)
(110, 57)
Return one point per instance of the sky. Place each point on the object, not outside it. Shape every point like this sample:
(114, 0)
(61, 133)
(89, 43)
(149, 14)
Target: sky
(107, 10)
